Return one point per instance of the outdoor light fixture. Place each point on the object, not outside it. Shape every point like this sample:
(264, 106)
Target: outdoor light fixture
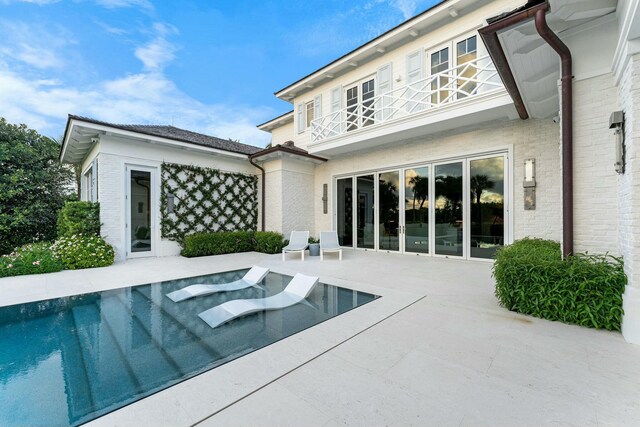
(616, 121)
(171, 200)
(529, 184)
(325, 198)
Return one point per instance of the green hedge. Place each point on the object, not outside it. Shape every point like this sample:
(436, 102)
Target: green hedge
(227, 242)
(203, 244)
(34, 258)
(268, 242)
(80, 251)
(79, 218)
(532, 278)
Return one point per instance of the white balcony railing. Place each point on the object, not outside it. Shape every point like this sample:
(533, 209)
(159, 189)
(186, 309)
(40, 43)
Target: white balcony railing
(447, 87)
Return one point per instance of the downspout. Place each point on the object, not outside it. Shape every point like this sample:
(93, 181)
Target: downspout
(262, 203)
(567, 128)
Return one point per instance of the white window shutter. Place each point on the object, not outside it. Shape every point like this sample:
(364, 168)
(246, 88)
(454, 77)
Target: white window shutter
(317, 107)
(300, 117)
(336, 99)
(415, 73)
(384, 81)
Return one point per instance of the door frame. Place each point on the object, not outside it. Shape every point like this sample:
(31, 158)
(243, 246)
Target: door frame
(377, 210)
(403, 213)
(153, 226)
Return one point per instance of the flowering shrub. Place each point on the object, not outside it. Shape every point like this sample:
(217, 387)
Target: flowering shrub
(78, 251)
(33, 258)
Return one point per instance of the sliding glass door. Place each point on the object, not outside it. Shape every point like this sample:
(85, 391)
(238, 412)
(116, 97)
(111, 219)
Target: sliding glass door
(455, 208)
(140, 211)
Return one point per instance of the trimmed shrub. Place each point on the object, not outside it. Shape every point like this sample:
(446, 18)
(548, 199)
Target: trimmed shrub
(80, 251)
(222, 242)
(532, 278)
(33, 258)
(79, 218)
(268, 242)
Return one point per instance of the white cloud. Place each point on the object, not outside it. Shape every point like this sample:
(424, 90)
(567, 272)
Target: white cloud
(33, 45)
(159, 51)
(116, 4)
(406, 7)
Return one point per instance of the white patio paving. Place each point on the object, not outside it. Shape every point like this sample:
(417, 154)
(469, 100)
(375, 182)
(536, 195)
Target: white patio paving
(436, 349)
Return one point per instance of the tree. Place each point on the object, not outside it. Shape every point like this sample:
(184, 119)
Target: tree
(479, 183)
(33, 186)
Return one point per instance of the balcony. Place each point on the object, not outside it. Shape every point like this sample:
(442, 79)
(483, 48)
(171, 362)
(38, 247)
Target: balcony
(472, 90)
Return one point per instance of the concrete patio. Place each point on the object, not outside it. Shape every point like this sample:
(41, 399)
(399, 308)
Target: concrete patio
(436, 349)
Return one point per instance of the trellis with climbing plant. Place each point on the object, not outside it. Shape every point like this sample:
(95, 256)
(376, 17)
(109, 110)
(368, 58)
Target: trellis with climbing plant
(206, 199)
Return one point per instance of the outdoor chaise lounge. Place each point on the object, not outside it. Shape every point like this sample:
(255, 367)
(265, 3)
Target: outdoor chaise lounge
(329, 243)
(296, 291)
(252, 278)
(298, 242)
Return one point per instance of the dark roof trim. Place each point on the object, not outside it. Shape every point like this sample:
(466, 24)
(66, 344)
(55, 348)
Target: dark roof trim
(364, 45)
(297, 151)
(490, 38)
(206, 140)
(275, 118)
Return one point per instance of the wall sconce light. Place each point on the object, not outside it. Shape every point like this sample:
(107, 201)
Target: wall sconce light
(171, 201)
(325, 199)
(529, 184)
(616, 121)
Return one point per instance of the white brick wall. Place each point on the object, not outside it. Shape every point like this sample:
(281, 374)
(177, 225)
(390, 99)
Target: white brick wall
(110, 195)
(538, 139)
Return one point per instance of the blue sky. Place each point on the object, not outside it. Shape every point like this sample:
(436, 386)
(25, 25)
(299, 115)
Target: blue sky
(207, 66)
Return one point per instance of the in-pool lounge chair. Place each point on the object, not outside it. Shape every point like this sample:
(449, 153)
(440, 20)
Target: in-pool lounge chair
(298, 242)
(296, 291)
(252, 278)
(329, 243)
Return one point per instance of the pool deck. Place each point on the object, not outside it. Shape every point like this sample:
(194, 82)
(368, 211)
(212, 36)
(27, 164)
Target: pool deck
(436, 349)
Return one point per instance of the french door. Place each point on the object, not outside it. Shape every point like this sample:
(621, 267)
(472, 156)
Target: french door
(454, 208)
(140, 208)
(360, 104)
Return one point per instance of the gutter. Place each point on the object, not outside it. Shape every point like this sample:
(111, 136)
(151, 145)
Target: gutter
(262, 215)
(489, 35)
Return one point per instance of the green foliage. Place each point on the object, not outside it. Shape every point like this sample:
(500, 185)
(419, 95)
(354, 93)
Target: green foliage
(32, 186)
(203, 244)
(206, 200)
(78, 251)
(313, 240)
(268, 242)
(532, 278)
(33, 258)
(79, 218)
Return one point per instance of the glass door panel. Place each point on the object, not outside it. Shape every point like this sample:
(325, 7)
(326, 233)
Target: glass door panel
(448, 209)
(140, 210)
(389, 210)
(466, 51)
(439, 63)
(352, 108)
(416, 210)
(487, 206)
(344, 210)
(365, 211)
(368, 110)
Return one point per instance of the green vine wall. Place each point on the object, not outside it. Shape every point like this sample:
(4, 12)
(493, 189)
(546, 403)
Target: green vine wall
(206, 200)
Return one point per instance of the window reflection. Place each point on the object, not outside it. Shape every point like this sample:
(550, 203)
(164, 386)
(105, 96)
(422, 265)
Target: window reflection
(389, 198)
(448, 209)
(487, 206)
(416, 193)
(365, 212)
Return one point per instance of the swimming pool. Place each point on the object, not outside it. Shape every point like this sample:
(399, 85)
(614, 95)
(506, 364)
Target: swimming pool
(67, 361)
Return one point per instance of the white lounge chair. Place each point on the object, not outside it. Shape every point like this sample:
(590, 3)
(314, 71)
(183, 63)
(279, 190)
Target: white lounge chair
(296, 291)
(329, 243)
(298, 242)
(252, 278)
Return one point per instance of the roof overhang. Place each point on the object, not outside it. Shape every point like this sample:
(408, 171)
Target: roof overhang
(280, 152)
(81, 136)
(528, 66)
(277, 122)
(442, 13)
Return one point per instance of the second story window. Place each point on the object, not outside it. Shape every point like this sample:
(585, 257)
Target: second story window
(309, 114)
(466, 51)
(360, 104)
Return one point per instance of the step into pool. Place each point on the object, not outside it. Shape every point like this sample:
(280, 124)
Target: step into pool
(67, 361)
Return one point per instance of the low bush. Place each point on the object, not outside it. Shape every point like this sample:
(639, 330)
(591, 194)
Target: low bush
(79, 251)
(268, 242)
(223, 242)
(79, 218)
(33, 258)
(532, 278)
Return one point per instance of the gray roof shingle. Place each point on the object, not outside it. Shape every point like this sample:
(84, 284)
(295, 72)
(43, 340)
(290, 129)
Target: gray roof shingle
(177, 134)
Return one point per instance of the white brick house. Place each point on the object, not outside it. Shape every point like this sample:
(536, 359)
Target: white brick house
(446, 136)
(467, 92)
